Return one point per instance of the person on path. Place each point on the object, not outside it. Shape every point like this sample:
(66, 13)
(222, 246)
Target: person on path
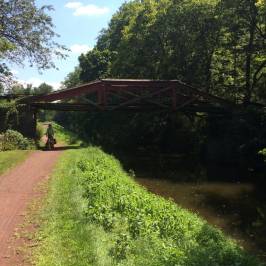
(50, 132)
(50, 138)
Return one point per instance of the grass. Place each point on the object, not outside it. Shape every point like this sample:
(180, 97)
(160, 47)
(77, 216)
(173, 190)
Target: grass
(66, 237)
(64, 136)
(9, 159)
(97, 215)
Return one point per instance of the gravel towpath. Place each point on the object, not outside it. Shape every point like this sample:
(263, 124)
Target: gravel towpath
(17, 190)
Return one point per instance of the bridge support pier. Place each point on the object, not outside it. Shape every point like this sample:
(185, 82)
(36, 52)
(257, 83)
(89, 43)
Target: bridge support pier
(28, 122)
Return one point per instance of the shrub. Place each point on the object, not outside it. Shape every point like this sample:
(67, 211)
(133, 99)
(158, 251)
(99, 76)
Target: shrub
(39, 132)
(65, 136)
(13, 140)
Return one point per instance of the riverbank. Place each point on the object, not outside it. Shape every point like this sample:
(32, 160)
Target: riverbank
(228, 196)
(232, 207)
(97, 215)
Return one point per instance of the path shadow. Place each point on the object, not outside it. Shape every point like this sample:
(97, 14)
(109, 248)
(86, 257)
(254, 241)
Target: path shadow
(63, 148)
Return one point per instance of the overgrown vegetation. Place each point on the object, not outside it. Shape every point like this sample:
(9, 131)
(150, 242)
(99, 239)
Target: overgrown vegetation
(97, 215)
(17, 117)
(65, 136)
(13, 140)
(9, 159)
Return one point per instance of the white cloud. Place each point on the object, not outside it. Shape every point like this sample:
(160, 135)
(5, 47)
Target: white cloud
(79, 48)
(86, 10)
(37, 82)
(73, 5)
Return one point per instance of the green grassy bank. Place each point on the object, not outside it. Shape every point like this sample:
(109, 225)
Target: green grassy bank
(9, 159)
(64, 136)
(97, 215)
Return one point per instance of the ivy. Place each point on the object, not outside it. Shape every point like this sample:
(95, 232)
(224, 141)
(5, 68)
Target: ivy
(9, 113)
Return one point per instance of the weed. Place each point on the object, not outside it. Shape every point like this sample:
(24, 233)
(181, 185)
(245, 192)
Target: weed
(97, 215)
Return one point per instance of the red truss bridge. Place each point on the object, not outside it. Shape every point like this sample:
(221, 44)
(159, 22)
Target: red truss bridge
(130, 95)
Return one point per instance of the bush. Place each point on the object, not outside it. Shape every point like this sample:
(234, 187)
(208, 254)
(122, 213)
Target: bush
(13, 140)
(65, 136)
(39, 132)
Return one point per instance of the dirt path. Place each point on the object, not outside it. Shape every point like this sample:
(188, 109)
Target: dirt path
(17, 189)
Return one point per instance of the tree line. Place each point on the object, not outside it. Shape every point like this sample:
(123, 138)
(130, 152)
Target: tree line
(216, 45)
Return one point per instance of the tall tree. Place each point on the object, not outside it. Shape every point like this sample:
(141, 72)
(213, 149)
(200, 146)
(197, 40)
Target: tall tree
(43, 89)
(73, 78)
(239, 66)
(26, 32)
(94, 65)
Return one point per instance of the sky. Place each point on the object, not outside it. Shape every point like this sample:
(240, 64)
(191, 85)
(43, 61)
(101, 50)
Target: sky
(78, 23)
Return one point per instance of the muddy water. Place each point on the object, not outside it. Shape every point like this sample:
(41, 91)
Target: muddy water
(221, 204)
(224, 196)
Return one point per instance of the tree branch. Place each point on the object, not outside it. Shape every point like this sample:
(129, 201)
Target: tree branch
(255, 77)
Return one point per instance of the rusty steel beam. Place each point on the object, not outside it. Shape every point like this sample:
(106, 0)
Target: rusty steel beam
(130, 108)
(137, 99)
(139, 83)
(146, 100)
(171, 95)
(64, 94)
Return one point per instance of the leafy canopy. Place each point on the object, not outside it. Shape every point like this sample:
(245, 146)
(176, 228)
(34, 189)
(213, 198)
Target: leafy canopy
(26, 32)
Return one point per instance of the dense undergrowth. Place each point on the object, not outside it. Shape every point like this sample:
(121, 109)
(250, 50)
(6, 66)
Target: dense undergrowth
(65, 136)
(97, 215)
(13, 140)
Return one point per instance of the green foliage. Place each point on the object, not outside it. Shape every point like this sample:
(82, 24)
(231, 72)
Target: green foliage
(94, 65)
(263, 153)
(121, 130)
(27, 32)
(91, 190)
(39, 132)
(218, 46)
(43, 89)
(73, 78)
(17, 88)
(65, 236)
(8, 115)
(9, 159)
(13, 140)
(65, 136)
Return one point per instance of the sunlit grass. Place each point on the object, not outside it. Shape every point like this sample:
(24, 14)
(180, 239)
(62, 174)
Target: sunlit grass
(67, 237)
(9, 159)
(62, 135)
(97, 215)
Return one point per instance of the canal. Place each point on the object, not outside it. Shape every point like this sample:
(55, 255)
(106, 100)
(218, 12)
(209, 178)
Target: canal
(226, 196)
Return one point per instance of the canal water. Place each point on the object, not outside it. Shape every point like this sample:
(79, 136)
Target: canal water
(225, 196)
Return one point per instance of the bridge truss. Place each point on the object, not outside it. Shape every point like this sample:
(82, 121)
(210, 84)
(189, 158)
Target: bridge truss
(130, 95)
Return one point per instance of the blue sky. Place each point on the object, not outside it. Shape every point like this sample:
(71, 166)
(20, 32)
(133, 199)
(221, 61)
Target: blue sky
(78, 23)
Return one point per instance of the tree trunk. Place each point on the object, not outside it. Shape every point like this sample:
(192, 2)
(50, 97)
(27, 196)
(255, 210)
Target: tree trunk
(250, 51)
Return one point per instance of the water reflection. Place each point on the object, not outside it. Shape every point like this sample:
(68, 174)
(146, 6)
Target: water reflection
(226, 196)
